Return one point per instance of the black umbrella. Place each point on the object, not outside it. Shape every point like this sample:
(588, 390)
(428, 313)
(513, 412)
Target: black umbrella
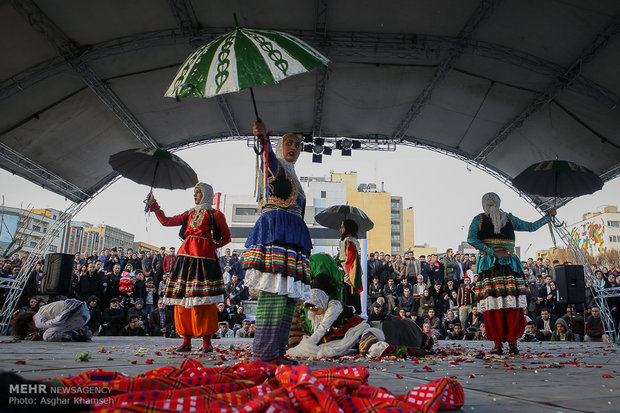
(333, 216)
(155, 167)
(557, 178)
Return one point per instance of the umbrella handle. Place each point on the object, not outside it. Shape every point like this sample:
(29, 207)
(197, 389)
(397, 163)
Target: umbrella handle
(259, 144)
(147, 202)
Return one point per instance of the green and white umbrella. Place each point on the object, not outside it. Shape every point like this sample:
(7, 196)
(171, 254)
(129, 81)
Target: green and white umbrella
(242, 59)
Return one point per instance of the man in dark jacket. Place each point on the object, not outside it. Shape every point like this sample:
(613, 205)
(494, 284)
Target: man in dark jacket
(89, 284)
(113, 319)
(96, 317)
(546, 323)
(161, 320)
(133, 328)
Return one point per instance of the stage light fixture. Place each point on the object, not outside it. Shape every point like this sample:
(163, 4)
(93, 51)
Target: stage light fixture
(357, 145)
(327, 150)
(317, 149)
(307, 138)
(347, 144)
(346, 152)
(308, 148)
(317, 158)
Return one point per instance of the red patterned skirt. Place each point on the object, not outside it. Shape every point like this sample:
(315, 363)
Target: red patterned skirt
(194, 281)
(500, 287)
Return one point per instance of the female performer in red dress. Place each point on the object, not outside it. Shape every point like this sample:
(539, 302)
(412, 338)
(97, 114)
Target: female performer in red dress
(196, 285)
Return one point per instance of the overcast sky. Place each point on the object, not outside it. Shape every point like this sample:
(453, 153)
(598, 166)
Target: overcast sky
(444, 192)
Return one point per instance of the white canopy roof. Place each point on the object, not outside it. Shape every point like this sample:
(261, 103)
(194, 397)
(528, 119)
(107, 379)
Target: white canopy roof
(502, 83)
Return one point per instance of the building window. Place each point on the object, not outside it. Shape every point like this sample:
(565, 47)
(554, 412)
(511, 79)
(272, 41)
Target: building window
(615, 224)
(395, 237)
(36, 228)
(246, 211)
(395, 227)
(33, 244)
(614, 238)
(323, 194)
(395, 205)
(53, 248)
(395, 215)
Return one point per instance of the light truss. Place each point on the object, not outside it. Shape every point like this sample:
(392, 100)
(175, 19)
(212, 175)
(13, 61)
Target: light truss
(483, 11)
(72, 54)
(563, 81)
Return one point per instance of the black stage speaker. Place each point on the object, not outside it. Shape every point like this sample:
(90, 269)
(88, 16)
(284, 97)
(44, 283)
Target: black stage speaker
(57, 274)
(571, 283)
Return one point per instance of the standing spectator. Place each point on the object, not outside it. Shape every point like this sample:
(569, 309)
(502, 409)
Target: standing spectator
(412, 267)
(161, 320)
(113, 280)
(139, 287)
(91, 283)
(450, 266)
(111, 260)
(151, 297)
(136, 262)
(372, 265)
(168, 259)
(425, 270)
(535, 299)
(227, 260)
(122, 258)
(465, 299)
(147, 264)
(437, 270)
(158, 266)
(552, 301)
(398, 267)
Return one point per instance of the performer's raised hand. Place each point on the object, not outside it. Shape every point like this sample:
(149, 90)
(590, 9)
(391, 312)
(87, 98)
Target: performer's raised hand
(553, 211)
(259, 128)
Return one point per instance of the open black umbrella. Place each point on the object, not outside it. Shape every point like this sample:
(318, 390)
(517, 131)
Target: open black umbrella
(333, 216)
(557, 178)
(155, 167)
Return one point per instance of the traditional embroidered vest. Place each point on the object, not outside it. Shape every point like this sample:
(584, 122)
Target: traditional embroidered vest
(486, 233)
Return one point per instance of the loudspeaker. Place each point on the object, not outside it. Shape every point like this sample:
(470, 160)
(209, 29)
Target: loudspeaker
(571, 284)
(57, 274)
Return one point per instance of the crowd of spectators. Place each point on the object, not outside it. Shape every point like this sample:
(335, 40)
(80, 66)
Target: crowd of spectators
(123, 292)
(438, 294)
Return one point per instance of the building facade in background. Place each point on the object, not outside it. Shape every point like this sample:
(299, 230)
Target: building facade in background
(28, 227)
(597, 232)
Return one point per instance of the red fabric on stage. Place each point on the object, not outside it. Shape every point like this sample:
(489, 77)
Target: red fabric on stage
(504, 325)
(199, 321)
(257, 387)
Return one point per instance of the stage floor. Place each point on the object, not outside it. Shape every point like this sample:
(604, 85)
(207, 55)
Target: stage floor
(545, 377)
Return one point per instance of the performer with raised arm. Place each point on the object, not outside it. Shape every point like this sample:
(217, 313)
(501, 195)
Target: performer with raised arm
(196, 285)
(501, 288)
(278, 248)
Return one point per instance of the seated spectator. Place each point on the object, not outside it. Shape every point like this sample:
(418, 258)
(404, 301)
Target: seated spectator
(457, 333)
(402, 313)
(545, 323)
(244, 331)
(575, 323)
(138, 311)
(449, 321)
(426, 303)
(113, 319)
(406, 302)
(375, 289)
(390, 295)
(474, 319)
(400, 288)
(481, 335)
(430, 333)
(134, 328)
(237, 317)
(595, 330)
(33, 305)
(418, 287)
(377, 313)
(453, 301)
(161, 320)
(96, 317)
(434, 322)
(224, 331)
(561, 332)
(532, 334)
(151, 297)
(222, 313)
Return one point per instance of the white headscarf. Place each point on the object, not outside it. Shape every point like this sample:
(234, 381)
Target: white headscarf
(318, 298)
(288, 166)
(490, 206)
(207, 197)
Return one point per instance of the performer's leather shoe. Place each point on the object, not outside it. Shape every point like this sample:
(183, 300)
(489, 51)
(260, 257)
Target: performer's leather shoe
(184, 349)
(286, 361)
(206, 350)
(497, 350)
(513, 349)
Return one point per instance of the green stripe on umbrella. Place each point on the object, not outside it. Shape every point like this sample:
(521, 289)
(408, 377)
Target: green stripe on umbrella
(242, 59)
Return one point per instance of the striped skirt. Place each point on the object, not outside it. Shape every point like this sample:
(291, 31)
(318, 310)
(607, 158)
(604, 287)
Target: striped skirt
(500, 287)
(274, 315)
(194, 281)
